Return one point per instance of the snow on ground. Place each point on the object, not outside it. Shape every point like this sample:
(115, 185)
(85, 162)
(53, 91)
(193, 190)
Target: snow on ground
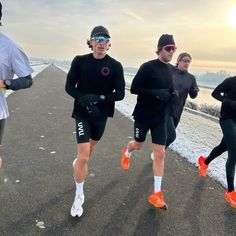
(64, 68)
(38, 68)
(196, 135)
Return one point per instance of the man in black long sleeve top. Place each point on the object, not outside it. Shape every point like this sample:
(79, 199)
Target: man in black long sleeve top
(95, 81)
(226, 93)
(185, 84)
(154, 86)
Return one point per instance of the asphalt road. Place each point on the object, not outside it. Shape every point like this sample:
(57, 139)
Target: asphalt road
(37, 188)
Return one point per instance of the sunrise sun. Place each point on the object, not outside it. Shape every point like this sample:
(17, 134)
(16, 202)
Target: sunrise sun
(232, 17)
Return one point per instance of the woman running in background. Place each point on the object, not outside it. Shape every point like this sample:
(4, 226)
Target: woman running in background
(226, 93)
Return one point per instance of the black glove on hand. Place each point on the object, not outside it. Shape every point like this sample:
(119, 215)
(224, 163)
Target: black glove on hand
(89, 99)
(233, 104)
(162, 94)
(93, 111)
(174, 95)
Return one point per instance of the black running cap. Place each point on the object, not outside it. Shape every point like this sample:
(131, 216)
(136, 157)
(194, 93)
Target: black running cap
(100, 31)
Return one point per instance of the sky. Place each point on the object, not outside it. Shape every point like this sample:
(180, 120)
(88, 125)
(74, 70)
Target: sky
(59, 29)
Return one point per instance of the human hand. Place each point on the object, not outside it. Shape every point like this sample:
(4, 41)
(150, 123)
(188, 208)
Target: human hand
(2, 84)
(174, 95)
(93, 111)
(89, 99)
(163, 94)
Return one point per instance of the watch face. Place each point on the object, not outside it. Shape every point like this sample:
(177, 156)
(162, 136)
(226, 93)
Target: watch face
(7, 82)
(102, 97)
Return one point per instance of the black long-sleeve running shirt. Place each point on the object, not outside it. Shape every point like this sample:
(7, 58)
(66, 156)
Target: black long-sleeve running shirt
(185, 83)
(225, 92)
(88, 75)
(153, 74)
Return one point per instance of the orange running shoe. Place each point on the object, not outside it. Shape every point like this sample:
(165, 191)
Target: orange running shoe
(202, 166)
(157, 199)
(125, 160)
(231, 198)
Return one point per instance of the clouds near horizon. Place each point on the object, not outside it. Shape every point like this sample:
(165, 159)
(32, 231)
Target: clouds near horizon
(59, 28)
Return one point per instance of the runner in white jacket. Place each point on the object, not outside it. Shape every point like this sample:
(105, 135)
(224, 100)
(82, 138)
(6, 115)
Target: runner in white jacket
(13, 60)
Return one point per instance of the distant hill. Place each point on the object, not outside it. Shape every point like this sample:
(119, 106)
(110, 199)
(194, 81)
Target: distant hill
(211, 79)
(130, 70)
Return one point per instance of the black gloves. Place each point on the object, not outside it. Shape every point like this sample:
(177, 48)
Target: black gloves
(162, 94)
(174, 95)
(93, 111)
(89, 99)
(193, 92)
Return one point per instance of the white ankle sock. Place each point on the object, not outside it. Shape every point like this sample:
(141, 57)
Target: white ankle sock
(157, 183)
(79, 188)
(127, 153)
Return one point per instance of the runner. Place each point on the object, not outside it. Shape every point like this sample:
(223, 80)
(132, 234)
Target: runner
(13, 60)
(226, 93)
(154, 86)
(185, 84)
(95, 81)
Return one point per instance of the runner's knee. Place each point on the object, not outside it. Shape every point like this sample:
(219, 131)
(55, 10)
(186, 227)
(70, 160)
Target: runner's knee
(136, 145)
(159, 152)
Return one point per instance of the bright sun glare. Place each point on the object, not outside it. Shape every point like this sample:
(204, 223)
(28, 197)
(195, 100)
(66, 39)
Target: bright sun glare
(232, 17)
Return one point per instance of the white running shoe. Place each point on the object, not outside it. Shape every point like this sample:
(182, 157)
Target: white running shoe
(152, 156)
(76, 209)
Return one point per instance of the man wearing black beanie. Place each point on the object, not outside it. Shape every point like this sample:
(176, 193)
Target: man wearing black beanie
(165, 40)
(154, 86)
(13, 60)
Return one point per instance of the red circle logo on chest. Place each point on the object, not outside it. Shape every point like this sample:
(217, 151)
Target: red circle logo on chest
(105, 71)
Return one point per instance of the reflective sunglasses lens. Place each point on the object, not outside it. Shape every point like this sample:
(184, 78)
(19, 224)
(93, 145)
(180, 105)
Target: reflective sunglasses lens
(169, 48)
(101, 38)
(106, 40)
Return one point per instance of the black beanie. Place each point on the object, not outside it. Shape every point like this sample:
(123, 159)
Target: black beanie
(0, 13)
(165, 39)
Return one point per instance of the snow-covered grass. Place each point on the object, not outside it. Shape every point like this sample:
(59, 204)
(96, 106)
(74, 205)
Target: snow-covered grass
(38, 68)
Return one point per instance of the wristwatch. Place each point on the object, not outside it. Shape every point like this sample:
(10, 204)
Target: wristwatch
(102, 97)
(7, 82)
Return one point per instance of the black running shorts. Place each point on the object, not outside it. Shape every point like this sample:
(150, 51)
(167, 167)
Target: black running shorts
(86, 130)
(158, 132)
